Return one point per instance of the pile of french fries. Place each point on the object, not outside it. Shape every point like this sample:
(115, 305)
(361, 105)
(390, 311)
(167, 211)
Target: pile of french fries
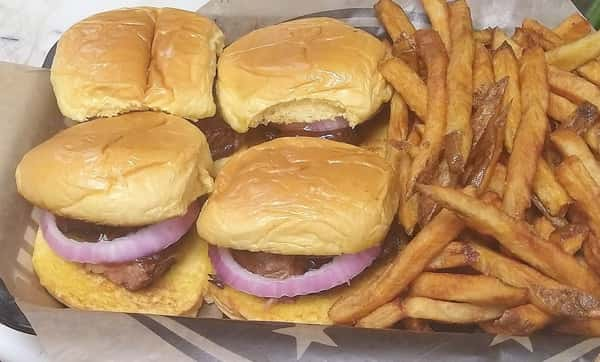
(495, 139)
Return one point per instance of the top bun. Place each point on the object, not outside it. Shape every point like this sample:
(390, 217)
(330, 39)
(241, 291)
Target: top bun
(301, 71)
(301, 196)
(130, 170)
(137, 59)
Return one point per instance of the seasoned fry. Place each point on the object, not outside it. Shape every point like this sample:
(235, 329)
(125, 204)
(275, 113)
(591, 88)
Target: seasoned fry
(560, 108)
(570, 144)
(407, 83)
(405, 267)
(592, 137)
(499, 37)
(483, 36)
(385, 316)
(531, 134)
(572, 55)
(573, 28)
(475, 289)
(570, 237)
(543, 227)
(431, 49)
(460, 83)
(449, 312)
(580, 185)
(590, 71)
(452, 256)
(483, 73)
(437, 11)
(578, 327)
(518, 321)
(393, 18)
(549, 191)
(572, 87)
(416, 325)
(498, 180)
(516, 236)
(506, 65)
(549, 39)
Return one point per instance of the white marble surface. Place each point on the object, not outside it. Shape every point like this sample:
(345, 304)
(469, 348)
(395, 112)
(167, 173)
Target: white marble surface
(29, 28)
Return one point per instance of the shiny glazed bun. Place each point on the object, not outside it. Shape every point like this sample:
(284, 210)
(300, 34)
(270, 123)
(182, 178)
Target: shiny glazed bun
(178, 292)
(301, 196)
(137, 59)
(301, 71)
(134, 169)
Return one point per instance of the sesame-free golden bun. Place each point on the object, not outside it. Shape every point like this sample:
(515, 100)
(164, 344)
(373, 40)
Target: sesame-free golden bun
(301, 71)
(130, 170)
(301, 196)
(179, 291)
(135, 59)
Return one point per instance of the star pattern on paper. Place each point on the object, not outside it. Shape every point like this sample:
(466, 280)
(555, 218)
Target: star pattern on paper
(523, 341)
(305, 335)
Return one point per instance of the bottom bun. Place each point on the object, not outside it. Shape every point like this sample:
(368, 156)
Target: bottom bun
(178, 292)
(310, 309)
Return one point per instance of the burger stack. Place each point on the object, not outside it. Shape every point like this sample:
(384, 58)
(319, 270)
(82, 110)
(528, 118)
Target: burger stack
(292, 213)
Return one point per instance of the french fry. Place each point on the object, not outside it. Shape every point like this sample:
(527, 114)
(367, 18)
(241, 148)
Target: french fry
(518, 321)
(560, 108)
(483, 36)
(517, 237)
(580, 185)
(570, 144)
(570, 238)
(531, 134)
(475, 289)
(573, 28)
(483, 73)
(449, 312)
(543, 227)
(431, 49)
(522, 37)
(407, 83)
(460, 83)
(549, 191)
(437, 11)
(592, 137)
(591, 253)
(403, 269)
(488, 107)
(572, 55)
(384, 316)
(498, 180)
(506, 65)
(582, 119)
(591, 71)
(405, 49)
(499, 37)
(578, 327)
(549, 39)
(572, 87)
(408, 212)
(393, 18)
(416, 325)
(452, 256)
(398, 124)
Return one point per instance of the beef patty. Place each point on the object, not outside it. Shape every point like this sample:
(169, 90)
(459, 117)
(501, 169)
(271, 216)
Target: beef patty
(222, 140)
(277, 266)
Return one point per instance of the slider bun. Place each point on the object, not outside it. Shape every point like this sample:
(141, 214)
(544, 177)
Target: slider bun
(177, 292)
(311, 309)
(137, 59)
(301, 196)
(129, 170)
(301, 71)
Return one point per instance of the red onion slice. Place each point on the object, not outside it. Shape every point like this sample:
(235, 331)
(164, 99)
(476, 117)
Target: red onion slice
(143, 242)
(337, 272)
(325, 125)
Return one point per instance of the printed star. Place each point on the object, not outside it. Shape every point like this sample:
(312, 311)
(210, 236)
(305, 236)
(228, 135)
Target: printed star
(305, 335)
(523, 341)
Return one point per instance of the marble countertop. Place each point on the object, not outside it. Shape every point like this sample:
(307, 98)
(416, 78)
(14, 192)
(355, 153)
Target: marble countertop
(29, 28)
